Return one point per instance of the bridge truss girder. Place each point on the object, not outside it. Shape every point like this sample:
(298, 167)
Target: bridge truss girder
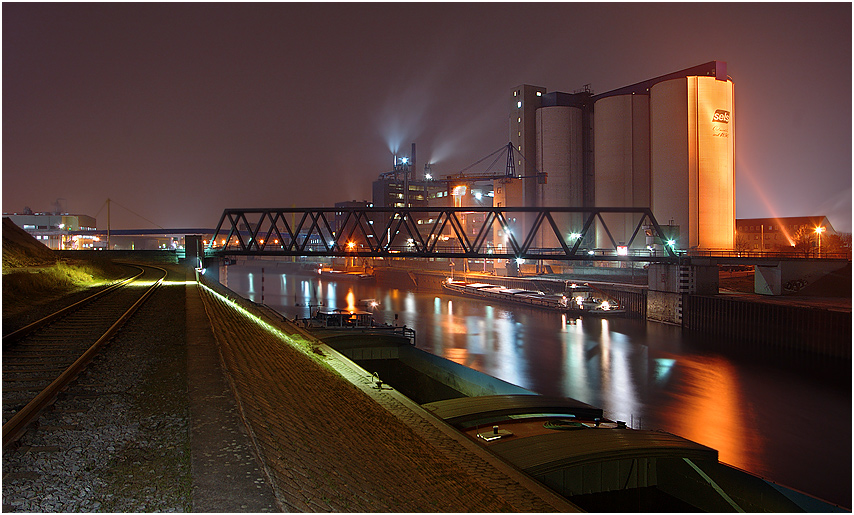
(395, 232)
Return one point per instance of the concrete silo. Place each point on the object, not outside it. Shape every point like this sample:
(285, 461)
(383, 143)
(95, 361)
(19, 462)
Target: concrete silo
(692, 160)
(559, 154)
(622, 157)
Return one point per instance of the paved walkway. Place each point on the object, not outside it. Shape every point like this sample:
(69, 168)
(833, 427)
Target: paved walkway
(227, 476)
(332, 442)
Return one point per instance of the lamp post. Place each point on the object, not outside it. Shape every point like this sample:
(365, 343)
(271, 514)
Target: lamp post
(818, 231)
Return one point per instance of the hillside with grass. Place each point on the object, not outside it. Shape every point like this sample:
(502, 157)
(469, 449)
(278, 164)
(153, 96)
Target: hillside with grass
(33, 275)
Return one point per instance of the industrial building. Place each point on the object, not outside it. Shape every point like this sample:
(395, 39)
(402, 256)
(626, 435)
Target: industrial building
(666, 143)
(55, 229)
(776, 234)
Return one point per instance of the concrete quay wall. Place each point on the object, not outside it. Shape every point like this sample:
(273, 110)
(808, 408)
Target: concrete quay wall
(770, 326)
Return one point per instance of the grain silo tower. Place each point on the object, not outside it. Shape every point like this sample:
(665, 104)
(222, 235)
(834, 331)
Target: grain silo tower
(560, 155)
(665, 143)
(692, 160)
(622, 157)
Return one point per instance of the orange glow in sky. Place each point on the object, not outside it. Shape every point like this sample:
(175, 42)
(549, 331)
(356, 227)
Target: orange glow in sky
(761, 195)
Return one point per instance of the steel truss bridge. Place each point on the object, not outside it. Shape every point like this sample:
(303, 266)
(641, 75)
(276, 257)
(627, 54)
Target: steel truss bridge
(435, 232)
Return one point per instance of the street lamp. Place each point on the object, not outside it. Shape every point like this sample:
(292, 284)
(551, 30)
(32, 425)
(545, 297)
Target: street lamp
(819, 230)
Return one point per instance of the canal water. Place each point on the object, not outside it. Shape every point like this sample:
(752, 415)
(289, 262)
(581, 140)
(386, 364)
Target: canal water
(784, 418)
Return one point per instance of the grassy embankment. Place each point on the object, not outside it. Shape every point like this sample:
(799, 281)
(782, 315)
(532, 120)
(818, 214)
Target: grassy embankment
(33, 275)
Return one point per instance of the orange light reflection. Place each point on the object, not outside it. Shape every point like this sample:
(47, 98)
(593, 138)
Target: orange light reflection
(457, 355)
(711, 411)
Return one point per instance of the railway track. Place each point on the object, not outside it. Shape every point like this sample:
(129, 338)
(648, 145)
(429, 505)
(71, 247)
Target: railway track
(41, 359)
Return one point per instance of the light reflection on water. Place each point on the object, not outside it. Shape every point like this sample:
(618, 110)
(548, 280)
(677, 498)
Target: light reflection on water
(759, 418)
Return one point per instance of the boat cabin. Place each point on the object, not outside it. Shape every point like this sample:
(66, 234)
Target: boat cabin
(332, 317)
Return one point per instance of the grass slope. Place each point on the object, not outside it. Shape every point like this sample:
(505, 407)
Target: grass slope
(33, 275)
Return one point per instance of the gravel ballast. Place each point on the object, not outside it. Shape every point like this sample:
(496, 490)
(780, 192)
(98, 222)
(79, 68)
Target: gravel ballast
(118, 439)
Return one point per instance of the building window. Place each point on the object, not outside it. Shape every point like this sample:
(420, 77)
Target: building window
(519, 104)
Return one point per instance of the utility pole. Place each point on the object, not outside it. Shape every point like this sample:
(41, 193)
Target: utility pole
(108, 224)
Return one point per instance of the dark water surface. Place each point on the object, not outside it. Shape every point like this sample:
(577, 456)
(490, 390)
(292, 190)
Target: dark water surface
(786, 419)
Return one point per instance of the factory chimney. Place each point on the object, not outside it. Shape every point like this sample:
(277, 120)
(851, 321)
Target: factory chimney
(412, 162)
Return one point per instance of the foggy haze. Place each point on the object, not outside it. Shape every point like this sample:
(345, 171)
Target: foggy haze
(178, 111)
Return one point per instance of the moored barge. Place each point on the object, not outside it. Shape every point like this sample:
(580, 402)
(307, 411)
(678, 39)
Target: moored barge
(577, 299)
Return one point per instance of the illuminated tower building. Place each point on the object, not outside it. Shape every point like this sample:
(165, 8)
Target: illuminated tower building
(691, 124)
(664, 143)
(524, 103)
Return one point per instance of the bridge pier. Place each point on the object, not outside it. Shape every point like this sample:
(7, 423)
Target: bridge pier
(670, 283)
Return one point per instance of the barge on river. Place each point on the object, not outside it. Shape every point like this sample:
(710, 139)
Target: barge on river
(353, 325)
(577, 299)
(598, 464)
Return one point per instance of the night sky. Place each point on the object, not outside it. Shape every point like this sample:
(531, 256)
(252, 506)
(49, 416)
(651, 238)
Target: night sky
(178, 111)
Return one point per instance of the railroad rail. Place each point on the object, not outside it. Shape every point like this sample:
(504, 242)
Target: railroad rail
(41, 359)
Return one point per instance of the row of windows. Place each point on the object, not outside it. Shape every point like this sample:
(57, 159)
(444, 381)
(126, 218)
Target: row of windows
(411, 197)
(758, 228)
(519, 92)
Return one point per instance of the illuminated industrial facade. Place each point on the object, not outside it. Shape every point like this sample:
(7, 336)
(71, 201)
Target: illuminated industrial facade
(524, 103)
(54, 229)
(666, 143)
(692, 160)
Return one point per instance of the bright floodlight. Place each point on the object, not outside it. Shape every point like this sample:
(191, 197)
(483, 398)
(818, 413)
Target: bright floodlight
(672, 243)
(351, 245)
(575, 235)
(519, 261)
(819, 230)
(428, 176)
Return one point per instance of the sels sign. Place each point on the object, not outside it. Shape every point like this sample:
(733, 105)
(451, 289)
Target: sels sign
(719, 121)
(721, 116)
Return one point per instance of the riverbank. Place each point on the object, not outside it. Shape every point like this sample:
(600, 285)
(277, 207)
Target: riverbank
(809, 324)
